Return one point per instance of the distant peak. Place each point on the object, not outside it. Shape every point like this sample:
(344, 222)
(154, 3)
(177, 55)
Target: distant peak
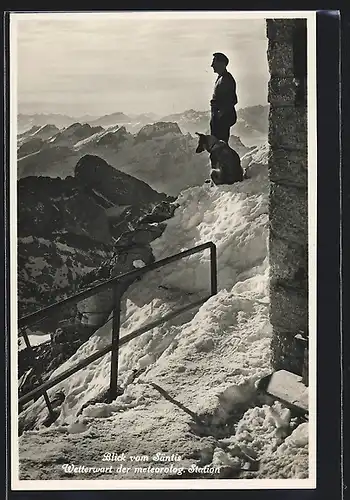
(158, 129)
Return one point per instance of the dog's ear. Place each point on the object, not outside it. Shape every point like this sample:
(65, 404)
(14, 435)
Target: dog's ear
(200, 148)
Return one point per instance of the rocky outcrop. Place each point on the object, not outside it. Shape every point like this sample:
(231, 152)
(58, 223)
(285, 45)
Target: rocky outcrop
(159, 213)
(117, 187)
(236, 144)
(252, 161)
(288, 211)
(157, 129)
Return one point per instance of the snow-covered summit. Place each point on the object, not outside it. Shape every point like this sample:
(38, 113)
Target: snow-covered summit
(113, 137)
(44, 132)
(73, 133)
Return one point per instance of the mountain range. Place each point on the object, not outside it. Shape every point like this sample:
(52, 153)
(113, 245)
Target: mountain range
(27, 121)
(250, 120)
(157, 154)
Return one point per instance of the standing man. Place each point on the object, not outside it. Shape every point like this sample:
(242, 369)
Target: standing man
(223, 113)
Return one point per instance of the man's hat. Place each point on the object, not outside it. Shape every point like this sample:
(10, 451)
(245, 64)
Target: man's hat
(219, 56)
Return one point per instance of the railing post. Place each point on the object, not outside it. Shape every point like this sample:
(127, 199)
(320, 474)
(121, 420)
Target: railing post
(213, 270)
(36, 370)
(115, 343)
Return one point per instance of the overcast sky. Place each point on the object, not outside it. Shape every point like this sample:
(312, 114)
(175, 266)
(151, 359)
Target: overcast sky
(135, 63)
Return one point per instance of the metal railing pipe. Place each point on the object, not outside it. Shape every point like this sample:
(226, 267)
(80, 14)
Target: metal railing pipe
(37, 371)
(32, 317)
(115, 344)
(213, 271)
(38, 391)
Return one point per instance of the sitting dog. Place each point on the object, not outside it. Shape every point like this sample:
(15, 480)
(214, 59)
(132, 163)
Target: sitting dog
(225, 162)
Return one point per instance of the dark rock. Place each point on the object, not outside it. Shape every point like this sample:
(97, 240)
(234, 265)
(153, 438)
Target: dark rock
(119, 188)
(144, 234)
(160, 212)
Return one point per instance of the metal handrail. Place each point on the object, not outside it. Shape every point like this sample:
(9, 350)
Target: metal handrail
(116, 341)
(37, 315)
(38, 391)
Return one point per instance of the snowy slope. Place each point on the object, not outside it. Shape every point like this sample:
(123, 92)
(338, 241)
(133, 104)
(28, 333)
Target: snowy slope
(208, 360)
